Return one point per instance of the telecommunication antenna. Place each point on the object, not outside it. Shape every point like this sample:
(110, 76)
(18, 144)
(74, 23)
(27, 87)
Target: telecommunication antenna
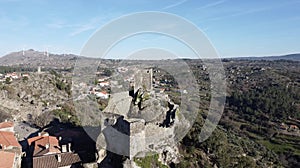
(47, 52)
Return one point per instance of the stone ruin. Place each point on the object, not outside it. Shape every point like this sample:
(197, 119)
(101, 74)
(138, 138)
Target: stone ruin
(141, 124)
(143, 79)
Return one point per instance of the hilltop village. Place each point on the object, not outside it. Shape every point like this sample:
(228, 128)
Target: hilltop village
(52, 135)
(131, 114)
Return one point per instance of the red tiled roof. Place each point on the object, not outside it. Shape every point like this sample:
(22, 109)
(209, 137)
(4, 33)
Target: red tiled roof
(8, 139)
(7, 159)
(6, 124)
(294, 126)
(40, 143)
(49, 161)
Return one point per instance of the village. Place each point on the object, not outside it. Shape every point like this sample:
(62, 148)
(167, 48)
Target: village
(44, 127)
(57, 145)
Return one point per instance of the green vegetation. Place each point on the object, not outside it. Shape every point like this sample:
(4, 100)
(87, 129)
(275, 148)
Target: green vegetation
(8, 81)
(25, 79)
(67, 115)
(102, 103)
(10, 69)
(56, 74)
(225, 149)
(274, 102)
(105, 71)
(61, 83)
(259, 100)
(149, 162)
(280, 147)
(146, 96)
(257, 106)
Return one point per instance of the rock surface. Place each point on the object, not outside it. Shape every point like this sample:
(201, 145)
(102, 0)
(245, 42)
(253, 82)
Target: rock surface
(30, 98)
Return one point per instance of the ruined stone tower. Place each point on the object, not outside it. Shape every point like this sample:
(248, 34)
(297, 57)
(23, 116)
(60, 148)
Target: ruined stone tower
(143, 79)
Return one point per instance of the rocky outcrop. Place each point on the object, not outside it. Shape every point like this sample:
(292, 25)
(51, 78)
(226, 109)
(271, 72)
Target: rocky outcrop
(148, 126)
(130, 164)
(169, 155)
(31, 97)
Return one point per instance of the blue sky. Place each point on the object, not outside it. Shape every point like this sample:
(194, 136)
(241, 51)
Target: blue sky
(234, 27)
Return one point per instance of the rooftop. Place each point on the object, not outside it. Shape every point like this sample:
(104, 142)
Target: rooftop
(44, 144)
(6, 125)
(48, 161)
(8, 139)
(6, 159)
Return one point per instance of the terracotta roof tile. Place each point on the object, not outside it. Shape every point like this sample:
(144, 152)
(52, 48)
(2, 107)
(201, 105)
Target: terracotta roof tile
(6, 124)
(8, 139)
(6, 159)
(40, 143)
(51, 161)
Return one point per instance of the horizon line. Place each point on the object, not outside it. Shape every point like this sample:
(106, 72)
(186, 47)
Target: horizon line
(220, 57)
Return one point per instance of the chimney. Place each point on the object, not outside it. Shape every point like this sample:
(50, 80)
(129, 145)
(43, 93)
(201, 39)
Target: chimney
(39, 134)
(69, 147)
(58, 157)
(47, 146)
(59, 138)
(64, 148)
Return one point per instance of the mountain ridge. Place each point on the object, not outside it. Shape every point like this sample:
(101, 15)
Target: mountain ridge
(291, 57)
(32, 58)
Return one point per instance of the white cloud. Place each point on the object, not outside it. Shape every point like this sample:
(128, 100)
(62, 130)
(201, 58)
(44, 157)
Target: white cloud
(213, 4)
(242, 12)
(82, 28)
(174, 5)
(78, 28)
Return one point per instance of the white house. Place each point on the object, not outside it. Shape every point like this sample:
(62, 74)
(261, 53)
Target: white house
(103, 79)
(103, 84)
(102, 95)
(13, 75)
(25, 75)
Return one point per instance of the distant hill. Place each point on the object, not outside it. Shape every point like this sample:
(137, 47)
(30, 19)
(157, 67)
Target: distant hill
(32, 58)
(291, 57)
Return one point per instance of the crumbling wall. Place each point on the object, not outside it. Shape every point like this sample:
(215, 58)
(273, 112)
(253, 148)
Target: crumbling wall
(143, 79)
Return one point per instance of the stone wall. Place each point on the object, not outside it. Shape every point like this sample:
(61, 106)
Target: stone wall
(143, 79)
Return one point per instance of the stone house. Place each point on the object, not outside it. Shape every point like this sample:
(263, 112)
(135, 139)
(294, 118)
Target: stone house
(46, 151)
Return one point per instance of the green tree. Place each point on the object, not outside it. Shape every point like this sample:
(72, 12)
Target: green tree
(8, 80)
